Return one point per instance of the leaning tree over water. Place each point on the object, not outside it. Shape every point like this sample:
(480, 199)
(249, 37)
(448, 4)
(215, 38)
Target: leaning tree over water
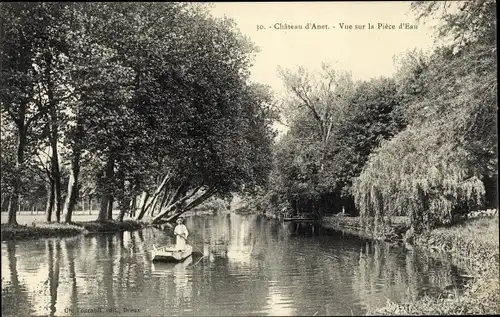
(148, 99)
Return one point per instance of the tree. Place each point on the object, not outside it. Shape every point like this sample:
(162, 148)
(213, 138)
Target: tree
(462, 22)
(317, 164)
(8, 160)
(134, 106)
(323, 95)
(449, 149)
(18, 92)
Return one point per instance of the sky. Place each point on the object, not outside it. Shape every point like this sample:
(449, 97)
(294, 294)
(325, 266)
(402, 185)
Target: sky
(366, 53)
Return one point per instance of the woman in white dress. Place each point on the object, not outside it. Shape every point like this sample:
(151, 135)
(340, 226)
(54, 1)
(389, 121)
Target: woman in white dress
(181, 233)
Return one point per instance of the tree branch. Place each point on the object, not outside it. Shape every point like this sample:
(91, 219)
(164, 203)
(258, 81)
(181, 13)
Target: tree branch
(201, 199)
(311, 107)
(44, 166)
(177, 203)
(176, 194)
(37, 171)
(157, 192)
(193, 204)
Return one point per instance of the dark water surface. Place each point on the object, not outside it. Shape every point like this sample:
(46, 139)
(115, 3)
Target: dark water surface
(253, 266)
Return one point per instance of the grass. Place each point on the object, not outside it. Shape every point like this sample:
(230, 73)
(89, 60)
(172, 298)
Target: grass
(480, 297)
(474, 241)
(354, 225)
(473, 245)
(111, 225)
(27, 218)
(34, 226)
(41, 230)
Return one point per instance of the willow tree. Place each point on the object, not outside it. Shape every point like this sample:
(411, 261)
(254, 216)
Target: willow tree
(419, 174)
(436, 168)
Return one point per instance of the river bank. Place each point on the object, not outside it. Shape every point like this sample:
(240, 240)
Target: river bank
(354, 225)
(472, 246)
(33, 226)
(48, 230)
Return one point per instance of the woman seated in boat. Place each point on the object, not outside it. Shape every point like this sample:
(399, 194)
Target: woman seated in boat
(181, 233)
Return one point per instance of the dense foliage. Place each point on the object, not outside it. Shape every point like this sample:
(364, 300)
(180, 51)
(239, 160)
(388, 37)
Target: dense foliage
(127, 99)
(335, 124)
(422, 144)
(439, 165)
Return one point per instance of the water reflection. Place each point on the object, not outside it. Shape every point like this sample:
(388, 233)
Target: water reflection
(252, 266)
(386, 272)
(14, 293)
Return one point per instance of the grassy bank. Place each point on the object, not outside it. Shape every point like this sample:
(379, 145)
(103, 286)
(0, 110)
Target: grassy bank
(45, 230)
(473, 246)
(111, 226)
(33, 225)
(40, 230)
(353, 225)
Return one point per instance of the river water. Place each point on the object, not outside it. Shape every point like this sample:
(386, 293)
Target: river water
(252, 266)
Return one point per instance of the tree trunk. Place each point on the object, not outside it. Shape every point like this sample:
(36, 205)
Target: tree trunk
(90, 205)
(295, 209)
(53, 137)
(103, 209)
(175, 205)
(154, 205)
(207, 194)
(163, 201)
(124, 208)
(49, 207)
(73, 187)
(106, 190)
(180, 191)
(56, 175)
(12, 210)
(153, 199)
(142, 205)
(21, 145)
(156, 196)
(133, 206)
(160, 203)
(111, 200)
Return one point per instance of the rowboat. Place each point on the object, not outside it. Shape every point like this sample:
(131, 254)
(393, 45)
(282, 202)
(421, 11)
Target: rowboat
(170, 254)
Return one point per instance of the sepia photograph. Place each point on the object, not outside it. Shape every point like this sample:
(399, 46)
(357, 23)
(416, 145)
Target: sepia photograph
(333, 158)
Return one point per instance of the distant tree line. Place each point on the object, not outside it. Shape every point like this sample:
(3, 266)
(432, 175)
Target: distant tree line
(421, 144)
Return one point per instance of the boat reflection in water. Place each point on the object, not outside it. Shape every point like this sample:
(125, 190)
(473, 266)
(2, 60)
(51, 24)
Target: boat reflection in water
(171, 268)
(179, 277)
